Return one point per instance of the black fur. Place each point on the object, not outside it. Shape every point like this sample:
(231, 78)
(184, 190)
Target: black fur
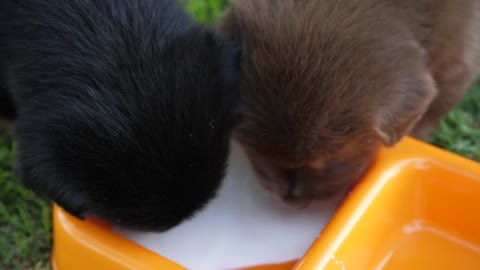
(125, 108)
(7, 109)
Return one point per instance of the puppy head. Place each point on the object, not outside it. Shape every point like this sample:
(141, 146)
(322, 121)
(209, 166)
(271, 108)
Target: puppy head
(324, 89)
(144, 146)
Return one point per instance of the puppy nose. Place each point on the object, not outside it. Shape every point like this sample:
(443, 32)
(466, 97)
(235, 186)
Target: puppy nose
(294, 186)
(295, 195)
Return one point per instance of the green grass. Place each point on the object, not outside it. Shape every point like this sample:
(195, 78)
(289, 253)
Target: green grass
(206, 11)
(460, 130)
(25, 220)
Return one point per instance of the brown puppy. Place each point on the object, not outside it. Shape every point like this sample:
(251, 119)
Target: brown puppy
(328, 82)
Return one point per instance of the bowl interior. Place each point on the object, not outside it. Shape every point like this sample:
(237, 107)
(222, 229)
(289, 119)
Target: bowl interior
(420, 214)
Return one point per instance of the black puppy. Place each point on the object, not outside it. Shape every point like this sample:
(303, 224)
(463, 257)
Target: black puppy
(124, 108)
(7, 110)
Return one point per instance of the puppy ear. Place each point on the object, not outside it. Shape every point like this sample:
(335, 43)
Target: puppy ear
(411, 96)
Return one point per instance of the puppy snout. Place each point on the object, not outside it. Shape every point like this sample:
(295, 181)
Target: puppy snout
(295, 194)
(294, 186)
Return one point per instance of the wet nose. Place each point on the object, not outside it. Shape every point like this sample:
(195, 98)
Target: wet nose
(295, 194)
(295, 185)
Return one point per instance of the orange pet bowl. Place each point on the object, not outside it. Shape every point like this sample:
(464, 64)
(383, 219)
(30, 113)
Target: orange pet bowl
(417, 208)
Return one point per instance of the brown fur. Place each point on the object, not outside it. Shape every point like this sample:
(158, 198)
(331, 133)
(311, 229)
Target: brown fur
(328, 82)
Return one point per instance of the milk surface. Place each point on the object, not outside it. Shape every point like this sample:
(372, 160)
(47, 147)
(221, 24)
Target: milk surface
(243, 226)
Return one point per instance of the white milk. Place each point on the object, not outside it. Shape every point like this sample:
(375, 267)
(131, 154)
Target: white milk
(243, 226)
